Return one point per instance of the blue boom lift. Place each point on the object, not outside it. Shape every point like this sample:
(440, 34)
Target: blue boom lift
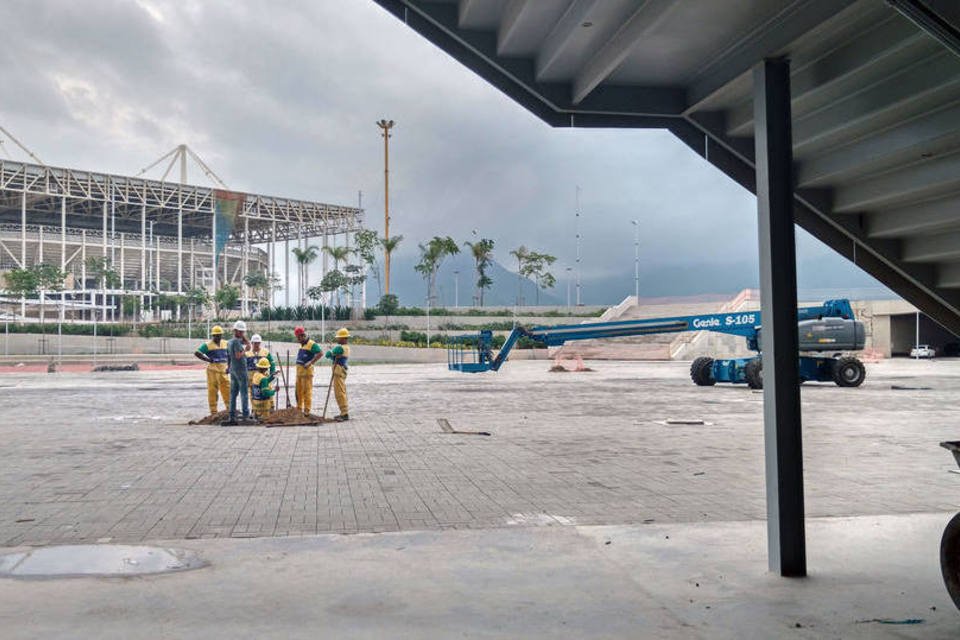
(827, 328)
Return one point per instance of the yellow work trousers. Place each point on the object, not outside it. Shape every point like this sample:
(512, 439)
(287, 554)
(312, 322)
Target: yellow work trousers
(340, 388)
(261, 408)
(217, 381)
(304, 389)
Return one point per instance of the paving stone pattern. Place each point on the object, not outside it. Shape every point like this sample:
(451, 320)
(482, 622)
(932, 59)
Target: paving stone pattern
(108, 457)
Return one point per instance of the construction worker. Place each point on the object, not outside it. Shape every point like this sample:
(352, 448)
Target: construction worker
(237, 368)
(340, 355)
(307, 356)
(256, 352)
(261, 390)
(214, 353)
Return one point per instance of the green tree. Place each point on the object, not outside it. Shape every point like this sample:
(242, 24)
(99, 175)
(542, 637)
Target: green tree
(225, 298)
(389, 246)
(367, 243)
(482, 252)
(431, 257)
(533, 265)
(102, 270)
(304, 258)
(263, 284)
(197, 297)
(22, 283)
(339, 254)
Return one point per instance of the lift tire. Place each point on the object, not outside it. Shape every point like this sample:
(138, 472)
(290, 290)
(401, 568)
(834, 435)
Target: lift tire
(950, 558)
(848, 372)
(701, 372)
(753, 372)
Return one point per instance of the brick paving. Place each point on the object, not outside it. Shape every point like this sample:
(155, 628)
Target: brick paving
(108, 457)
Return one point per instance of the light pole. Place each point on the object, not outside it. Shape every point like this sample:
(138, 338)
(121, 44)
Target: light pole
(578, 246)
(456, 289)
(569, 269)
(636, 260)
(385, 126)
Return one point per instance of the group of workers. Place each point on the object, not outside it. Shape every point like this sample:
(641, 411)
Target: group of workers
(245, 369)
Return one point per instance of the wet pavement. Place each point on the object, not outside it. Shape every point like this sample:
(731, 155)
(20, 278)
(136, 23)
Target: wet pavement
(108, 457)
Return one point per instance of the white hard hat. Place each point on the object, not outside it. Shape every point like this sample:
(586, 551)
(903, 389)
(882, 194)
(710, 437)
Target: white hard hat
(256, 338)
(239, 325)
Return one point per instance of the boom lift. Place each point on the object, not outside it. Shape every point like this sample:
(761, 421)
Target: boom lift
(826, 328)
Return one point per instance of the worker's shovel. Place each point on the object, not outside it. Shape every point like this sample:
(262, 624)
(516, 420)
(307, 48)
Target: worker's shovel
(329, 387)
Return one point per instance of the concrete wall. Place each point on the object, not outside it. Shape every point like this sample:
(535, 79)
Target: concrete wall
(16, 345)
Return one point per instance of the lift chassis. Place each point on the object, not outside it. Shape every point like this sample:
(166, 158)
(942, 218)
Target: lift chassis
(829, 328)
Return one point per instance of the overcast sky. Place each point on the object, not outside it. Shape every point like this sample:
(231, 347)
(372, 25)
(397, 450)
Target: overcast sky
(281, 98)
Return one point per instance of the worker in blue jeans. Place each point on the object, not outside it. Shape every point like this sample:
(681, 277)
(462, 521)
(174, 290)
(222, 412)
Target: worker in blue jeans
(239, 380)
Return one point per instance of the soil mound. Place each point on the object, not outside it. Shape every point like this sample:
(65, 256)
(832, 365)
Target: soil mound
(280, 418)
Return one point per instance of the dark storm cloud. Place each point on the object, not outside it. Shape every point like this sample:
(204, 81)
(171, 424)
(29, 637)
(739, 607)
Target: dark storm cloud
(281, 98)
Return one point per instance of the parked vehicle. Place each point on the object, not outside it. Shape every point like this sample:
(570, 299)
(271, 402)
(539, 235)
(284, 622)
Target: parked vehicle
(923, 351)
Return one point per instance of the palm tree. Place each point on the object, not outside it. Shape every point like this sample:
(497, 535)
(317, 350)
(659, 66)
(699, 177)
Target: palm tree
(339, 254)
(389, 245)
(304, 257)
(482, 251)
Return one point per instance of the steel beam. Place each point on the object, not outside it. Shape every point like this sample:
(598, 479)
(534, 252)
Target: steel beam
(923, 137)
(932, 216)
(615, 51)
(796, 19)
(949, 275)
(920, 181)
(786, 537)
(932, 248)
(860, 62)
(568, 27)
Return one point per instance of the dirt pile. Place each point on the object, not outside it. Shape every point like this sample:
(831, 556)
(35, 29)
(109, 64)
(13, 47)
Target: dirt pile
(215, 418)
(290, 417)
(559, 368)
(280, 418)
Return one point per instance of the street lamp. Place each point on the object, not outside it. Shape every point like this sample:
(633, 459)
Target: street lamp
(636, 260)
(385, 126)
(456, 289)
(569, 269)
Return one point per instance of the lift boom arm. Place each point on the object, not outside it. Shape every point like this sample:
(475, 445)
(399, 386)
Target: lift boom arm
(741, 323)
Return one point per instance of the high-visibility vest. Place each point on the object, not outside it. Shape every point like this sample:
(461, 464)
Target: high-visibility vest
(306, 353)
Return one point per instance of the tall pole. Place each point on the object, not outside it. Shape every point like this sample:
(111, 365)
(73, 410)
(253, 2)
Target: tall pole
(569, 269)
(916, 342)
(456, 289)
(579, 286)
(636, 260)
(385, 126)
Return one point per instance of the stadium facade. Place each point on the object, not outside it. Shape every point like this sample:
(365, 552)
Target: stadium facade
(162, 238)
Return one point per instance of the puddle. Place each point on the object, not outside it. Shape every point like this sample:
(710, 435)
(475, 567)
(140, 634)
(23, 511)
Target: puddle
(97, 560)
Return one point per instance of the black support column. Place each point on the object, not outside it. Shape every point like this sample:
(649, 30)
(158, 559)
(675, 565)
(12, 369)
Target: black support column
(786, 537)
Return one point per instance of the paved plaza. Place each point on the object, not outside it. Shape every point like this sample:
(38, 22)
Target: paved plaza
(109, 457)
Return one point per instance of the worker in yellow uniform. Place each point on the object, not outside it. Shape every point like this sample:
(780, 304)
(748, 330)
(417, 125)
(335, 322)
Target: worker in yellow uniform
(261, 390)
(340, 355)
(214, 353)
(307, 356)
(257, 351)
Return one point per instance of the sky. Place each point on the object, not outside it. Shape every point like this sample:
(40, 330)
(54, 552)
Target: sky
(281, 99)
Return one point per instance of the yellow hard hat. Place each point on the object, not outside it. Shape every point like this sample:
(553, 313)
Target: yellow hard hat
(343, 333)
(263, 363)
(216, 331)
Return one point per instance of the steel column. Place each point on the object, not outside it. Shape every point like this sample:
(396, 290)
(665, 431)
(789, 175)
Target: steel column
(179, 253)
(143, 253)
(786, 537)
(23, 246)
(104, 254)
(63, 253)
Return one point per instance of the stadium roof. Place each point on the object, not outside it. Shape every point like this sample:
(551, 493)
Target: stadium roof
(87, 193)
(875, 103)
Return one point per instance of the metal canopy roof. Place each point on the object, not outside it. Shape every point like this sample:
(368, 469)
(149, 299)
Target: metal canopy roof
(875, 97)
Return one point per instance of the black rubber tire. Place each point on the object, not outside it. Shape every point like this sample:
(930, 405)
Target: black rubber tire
(848, 372)
(753, 371)
(950, 558)
(701, 372)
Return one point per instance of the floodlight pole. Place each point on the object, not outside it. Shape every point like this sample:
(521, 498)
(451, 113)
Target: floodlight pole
(579, 286)
(385, 126)
(636, 260)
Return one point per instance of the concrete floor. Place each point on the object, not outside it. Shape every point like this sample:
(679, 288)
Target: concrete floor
(493, 537)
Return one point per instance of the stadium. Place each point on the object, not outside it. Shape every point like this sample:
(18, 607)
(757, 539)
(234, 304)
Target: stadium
(161, 239)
